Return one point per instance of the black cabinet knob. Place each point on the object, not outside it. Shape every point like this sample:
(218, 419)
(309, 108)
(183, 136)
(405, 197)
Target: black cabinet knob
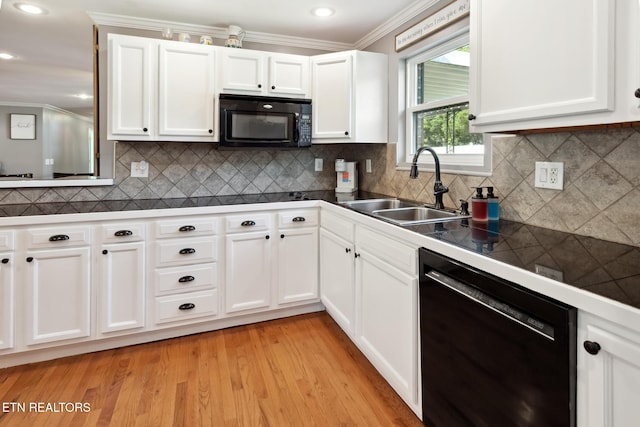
(5, 260)
(267, 237)
(592, 347)
(637, 93)
(356, 255)
(29, 259)
(472, 117)
(104, 252)
(282, 236)
(259, 86)
(346, 133)
(273, 87)
(145, 130)
(347, 250)
(210, 130)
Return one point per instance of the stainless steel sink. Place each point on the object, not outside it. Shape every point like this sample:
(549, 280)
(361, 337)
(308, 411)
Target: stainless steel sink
(402, 212)
(370, 205)
(417, 215)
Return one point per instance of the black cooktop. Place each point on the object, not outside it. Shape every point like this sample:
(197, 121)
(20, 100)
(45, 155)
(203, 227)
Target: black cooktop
(605, 268)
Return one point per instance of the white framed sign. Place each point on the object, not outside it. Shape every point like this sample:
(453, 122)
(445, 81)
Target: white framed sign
(23, 126)
(449, 14)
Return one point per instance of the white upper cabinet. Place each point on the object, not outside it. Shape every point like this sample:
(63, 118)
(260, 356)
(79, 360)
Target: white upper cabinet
(350, 97)
(160, 90)
(550, 64)
(262, 73)
(186, 90)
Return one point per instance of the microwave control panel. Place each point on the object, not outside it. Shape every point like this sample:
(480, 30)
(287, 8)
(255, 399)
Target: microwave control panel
(304, 129)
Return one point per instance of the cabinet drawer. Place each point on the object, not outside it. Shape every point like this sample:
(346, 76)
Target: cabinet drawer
(186, 251)
(386, 248)
(6, 240)
(338, 225)
(186, 227)
(174, 308)
(186, 278)
(248, 222)
(122, 232)
(301, 218)
(58, 237)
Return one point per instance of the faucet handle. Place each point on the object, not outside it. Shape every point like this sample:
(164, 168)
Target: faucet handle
(464, 207)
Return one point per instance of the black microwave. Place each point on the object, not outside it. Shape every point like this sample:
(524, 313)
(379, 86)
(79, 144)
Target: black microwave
(264, 121)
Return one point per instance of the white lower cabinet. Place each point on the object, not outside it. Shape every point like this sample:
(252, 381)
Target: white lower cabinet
(121, 287)
(369, 286)
(248, 270)
(184, 268)
(337, 279)
(57, 294)
(7, 301)
(386, 310)
(608, 374)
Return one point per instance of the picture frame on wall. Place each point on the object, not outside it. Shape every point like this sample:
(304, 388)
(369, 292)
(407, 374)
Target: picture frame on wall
(23, 126)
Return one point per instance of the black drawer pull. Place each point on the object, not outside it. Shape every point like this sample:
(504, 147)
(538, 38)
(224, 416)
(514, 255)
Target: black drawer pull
(592, 347)
(187, 251)
(123, 233)
(187, 306)
(248, 223)
(29, 259)
(299, 219)
(186, 279)
(5, 260)
(58, 238)
(187, 228)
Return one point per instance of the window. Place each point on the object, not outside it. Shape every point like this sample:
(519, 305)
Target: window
(437, 109)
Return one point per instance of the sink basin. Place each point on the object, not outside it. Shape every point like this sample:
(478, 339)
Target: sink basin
(417, 215)
(370, 205)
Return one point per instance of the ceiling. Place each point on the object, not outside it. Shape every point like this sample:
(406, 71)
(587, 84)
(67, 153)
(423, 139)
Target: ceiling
(52, 51)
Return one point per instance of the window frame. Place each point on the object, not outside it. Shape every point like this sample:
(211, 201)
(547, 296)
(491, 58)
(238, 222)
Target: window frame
(466, 164)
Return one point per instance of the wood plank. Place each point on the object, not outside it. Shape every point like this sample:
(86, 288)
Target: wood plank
(301, 371)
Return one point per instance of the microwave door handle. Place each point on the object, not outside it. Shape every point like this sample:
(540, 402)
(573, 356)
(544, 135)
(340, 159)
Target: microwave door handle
(296, 130)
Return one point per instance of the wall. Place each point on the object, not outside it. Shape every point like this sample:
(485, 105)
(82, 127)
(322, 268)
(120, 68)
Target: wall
(20, 155)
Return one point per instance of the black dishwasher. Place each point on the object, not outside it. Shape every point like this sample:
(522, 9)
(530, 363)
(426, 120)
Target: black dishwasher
(493, 354)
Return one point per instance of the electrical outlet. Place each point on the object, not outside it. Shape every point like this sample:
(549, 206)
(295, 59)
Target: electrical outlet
(140, 169)
(367, 163)
(549, 175)
(318, 164)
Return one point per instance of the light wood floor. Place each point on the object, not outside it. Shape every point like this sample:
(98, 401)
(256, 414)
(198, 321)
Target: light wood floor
(299, 371)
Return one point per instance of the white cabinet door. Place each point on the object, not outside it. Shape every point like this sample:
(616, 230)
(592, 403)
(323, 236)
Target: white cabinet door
(288, 75)
(132, 65)
(57, 295)
(337, 279)
(297, 265)
(332, 88)
(121, 296)
(608, 381)
(533, 61)
(7, 301)
(242, 71)
(386, 325)
(186, 90)
(248, 271)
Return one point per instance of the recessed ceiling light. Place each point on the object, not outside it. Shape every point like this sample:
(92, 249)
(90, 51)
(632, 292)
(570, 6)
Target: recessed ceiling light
(323, 11)
(4, 55)
(31, 9)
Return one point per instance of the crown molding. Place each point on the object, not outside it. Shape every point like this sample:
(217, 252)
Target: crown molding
(216, 32)
(381, 31)
(393, 23)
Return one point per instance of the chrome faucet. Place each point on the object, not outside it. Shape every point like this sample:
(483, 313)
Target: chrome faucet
(438, 188)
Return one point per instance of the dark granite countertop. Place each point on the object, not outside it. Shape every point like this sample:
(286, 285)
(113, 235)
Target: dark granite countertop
(605, 268)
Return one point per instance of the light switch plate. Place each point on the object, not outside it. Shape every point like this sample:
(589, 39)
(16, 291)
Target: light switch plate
(549, 175)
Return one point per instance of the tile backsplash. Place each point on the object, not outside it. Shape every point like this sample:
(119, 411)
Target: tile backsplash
(601, 196)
